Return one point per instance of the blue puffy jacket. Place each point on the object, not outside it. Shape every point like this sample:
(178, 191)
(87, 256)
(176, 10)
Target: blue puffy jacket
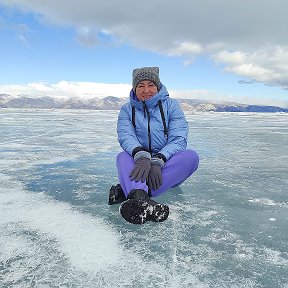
(149, 127)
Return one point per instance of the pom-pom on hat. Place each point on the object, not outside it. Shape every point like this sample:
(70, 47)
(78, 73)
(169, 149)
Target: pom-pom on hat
(146, 73)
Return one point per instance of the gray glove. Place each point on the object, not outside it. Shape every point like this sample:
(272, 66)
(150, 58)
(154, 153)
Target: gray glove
(142, 166)
(155, 174)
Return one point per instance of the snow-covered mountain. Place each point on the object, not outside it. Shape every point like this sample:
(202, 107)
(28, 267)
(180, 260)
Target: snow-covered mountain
(114, 103)
(23, 101)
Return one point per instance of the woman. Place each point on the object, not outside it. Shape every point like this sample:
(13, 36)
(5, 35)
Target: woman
(152, 131)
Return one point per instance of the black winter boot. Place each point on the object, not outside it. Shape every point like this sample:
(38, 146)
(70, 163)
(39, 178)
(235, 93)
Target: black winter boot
(139, 208)
(116, 195)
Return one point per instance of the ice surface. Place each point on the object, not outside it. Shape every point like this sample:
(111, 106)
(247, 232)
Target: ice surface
(228, 223)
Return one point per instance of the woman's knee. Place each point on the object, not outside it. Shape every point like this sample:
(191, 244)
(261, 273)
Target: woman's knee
(123, 157)
(190, 160)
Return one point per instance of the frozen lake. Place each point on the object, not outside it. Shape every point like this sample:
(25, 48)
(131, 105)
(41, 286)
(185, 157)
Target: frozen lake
(227, 225)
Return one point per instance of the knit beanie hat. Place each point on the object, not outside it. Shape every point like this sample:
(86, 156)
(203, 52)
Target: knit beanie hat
(146, 73)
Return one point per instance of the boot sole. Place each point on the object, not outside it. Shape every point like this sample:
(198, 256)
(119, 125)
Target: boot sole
(139, 212)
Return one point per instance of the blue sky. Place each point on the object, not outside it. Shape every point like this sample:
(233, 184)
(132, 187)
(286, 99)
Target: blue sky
(219, 50)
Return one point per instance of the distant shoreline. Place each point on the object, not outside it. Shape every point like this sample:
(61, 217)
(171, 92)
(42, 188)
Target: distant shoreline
(115, 103)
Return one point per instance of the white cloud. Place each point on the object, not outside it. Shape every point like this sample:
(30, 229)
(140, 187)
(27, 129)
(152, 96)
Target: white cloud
(87, 36)
(66, 89)
(253, 71)
(193, 94)
(227, 57)
(185, 48)
(256, 31)
(267, 65)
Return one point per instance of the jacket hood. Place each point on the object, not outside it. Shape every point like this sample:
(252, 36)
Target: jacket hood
(161, 95)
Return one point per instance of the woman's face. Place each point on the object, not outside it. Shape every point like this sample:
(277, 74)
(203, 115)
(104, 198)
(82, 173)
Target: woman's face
(145, 90)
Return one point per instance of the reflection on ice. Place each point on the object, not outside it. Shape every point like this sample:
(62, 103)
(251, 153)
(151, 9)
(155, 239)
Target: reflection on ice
(228, 223)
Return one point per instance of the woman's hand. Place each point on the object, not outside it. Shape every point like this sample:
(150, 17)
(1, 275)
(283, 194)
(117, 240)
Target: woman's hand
(155, 176)
(141, 169)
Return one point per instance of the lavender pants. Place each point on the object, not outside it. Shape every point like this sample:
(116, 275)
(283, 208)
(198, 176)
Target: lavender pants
(175, 171)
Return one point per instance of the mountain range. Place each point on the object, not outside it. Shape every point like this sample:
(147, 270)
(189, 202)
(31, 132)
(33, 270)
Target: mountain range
(114, 103)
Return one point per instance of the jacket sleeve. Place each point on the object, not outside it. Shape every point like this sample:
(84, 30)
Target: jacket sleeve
(177, 131)
(125, 130)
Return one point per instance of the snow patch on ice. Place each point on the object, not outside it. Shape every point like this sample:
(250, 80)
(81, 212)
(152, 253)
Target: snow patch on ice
(88, 242)
(275, 257)
(267, 202)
